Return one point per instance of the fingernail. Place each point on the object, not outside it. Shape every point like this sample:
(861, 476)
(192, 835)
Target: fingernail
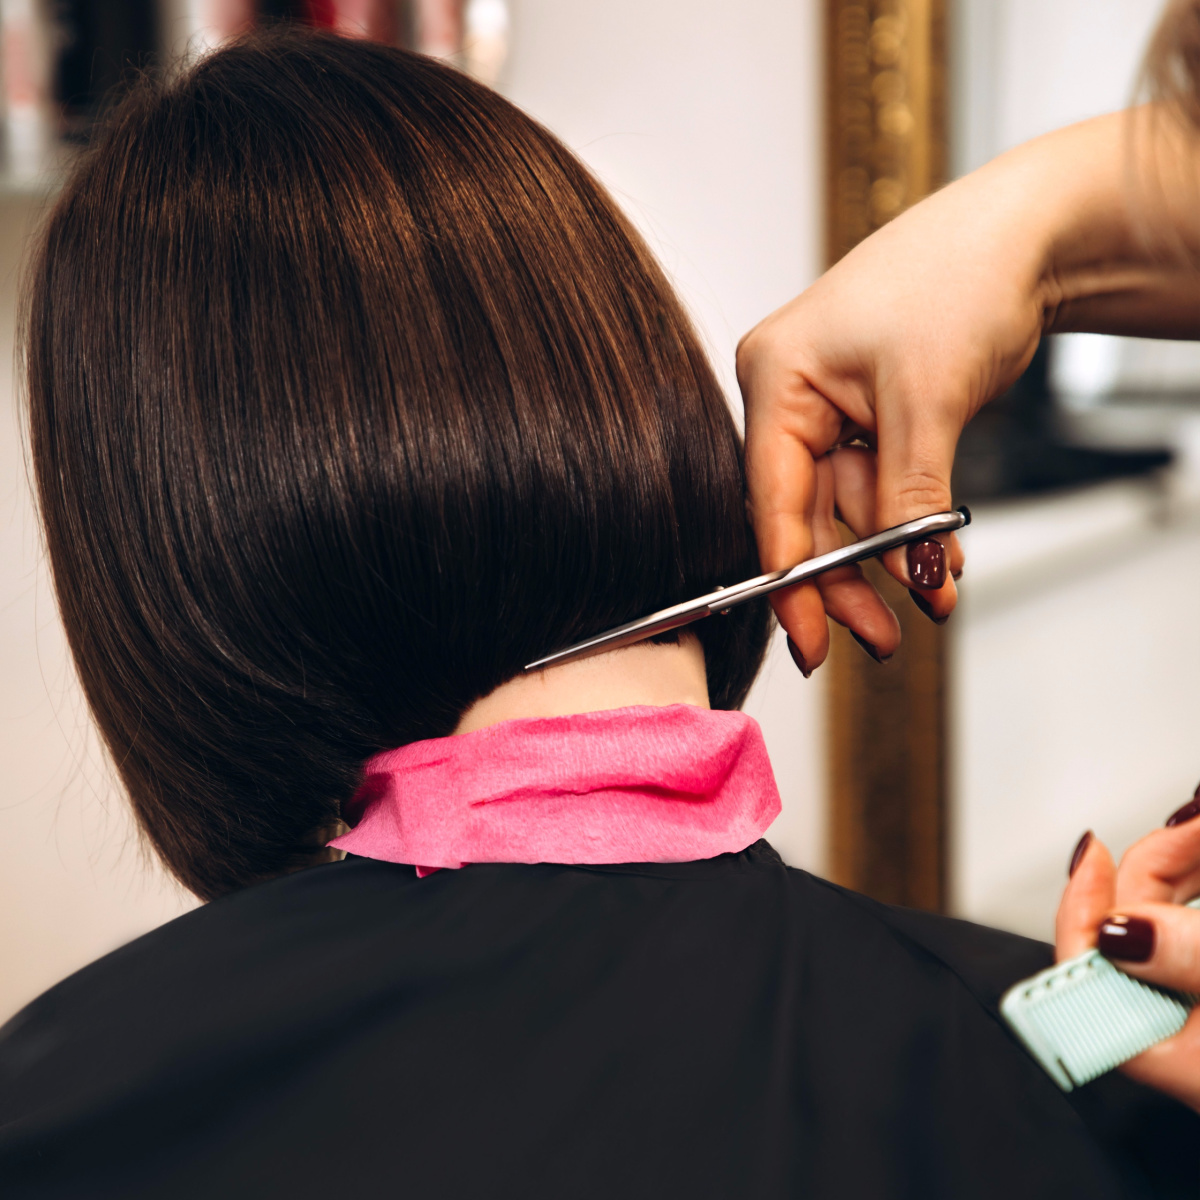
(1182, 815)
(927, 608)
(1129, 939)
(927, 564)
(956, 575)
(1077, 854)
(873, 651)
(798, 659)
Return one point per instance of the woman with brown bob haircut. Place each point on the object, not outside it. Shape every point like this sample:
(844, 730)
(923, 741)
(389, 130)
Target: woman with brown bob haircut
(351, 393)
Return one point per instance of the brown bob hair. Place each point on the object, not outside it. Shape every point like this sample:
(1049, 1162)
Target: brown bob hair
(351, 392)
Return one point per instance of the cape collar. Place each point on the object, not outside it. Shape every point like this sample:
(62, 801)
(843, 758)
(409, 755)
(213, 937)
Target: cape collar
(637, 784)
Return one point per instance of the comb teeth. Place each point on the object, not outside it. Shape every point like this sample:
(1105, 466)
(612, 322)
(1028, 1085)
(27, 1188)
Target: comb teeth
(1083, 1017)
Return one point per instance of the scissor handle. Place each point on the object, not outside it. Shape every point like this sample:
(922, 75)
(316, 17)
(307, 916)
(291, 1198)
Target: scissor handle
(724, 599)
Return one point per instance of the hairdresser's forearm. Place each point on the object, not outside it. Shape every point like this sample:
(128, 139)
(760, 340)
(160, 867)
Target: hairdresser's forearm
(1112, 210)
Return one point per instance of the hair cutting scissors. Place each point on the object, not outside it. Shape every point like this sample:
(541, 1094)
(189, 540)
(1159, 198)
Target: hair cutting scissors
(725, 598)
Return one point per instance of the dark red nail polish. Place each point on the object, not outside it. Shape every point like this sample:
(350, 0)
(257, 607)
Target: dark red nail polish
(873, 651)
(927, 608)
(1077, 854)
(798, 659)
(956, 575)
(1127, 939)
(927, 564)
(1187, 813)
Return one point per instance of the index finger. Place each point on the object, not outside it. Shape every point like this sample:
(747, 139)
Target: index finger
(916, 455)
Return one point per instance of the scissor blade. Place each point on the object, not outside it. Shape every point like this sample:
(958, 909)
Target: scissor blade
(723, 599)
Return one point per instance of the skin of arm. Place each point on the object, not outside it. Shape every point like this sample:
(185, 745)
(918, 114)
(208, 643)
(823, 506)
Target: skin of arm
(1094, 227)
(1122, 248)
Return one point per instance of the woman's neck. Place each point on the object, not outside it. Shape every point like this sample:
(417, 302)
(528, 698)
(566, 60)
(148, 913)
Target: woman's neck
(647, 673)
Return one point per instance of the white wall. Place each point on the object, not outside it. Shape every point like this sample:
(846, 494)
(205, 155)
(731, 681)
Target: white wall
(1021, 68)
(703, 117)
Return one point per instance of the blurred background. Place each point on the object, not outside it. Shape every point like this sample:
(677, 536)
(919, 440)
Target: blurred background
(752, 142)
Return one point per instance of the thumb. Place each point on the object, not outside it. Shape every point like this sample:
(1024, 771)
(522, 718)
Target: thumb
(916, 444)
(1087, 900)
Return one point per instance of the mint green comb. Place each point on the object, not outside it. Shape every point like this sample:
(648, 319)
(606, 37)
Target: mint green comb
(1085, 1016)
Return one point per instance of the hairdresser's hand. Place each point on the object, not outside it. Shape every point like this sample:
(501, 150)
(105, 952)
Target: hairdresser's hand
(928, 319)
(903, 341)
(1135, 914)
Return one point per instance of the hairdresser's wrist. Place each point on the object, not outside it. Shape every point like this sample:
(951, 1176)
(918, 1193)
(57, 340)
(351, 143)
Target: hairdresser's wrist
(1049, 221)
(1112, 211)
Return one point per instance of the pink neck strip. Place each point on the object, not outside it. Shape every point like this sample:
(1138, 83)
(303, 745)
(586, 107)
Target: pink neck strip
(628, 785)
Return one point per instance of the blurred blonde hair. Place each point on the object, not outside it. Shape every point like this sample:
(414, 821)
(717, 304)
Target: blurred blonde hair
(1171, 68)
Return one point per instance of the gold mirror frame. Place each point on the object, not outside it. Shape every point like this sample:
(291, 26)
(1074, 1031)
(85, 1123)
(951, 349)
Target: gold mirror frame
(886, 147)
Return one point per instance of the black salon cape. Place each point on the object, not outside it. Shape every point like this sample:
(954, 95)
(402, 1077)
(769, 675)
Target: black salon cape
(728, 1028)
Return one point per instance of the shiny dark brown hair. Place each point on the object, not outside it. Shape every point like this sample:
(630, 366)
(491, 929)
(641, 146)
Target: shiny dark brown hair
(351, 392)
